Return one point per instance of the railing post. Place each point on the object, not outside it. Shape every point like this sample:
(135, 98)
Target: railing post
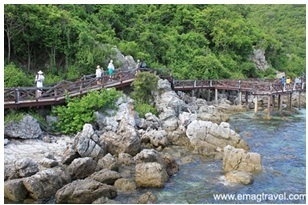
(80, 87)
(55, 94)
(17, 94)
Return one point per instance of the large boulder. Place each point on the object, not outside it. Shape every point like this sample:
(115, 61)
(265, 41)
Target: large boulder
(209, 138)
(26, 128)
(240, 160)
(125, 185)
(124, 140)
(80, 168)
(156, 137)
(151, 174)
(106, 176)
(45, 184)
(239, 177)
(84, 192)
(15, 190)
(87, 143)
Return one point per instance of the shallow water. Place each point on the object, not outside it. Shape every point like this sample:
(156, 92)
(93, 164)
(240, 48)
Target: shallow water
(282, 145)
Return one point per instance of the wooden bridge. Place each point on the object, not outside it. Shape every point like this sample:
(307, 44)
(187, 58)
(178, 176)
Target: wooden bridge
(56, 94)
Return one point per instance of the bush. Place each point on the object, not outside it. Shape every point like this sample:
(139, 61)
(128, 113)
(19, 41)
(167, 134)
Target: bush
(79, 111)
(15, 77)
(143, 109)
(143, 85)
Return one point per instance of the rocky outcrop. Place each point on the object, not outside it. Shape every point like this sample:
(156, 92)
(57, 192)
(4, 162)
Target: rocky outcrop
(209, 138)
(26, 128)
(80, 168)
(84, 192)
(240, 160)
(46, 183)
(15, 190)
(151, 174)
(87, 143)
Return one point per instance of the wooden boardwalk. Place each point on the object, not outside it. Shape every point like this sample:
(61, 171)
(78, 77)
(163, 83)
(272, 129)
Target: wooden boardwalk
(56, 94)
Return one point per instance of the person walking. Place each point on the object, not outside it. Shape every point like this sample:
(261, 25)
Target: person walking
(110, 68)
(98, 74)
(39, 79)
(283, 83)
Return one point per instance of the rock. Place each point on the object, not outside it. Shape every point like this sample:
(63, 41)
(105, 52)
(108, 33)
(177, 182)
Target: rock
(69, 155)
(26, 167)
(87, 143)
(125, 159)
(185, 118)
(156, 137)
(6, 141)
(10, 172)
(125, 140)
(84, 191)
(46, 162)
(239, 177)
(208, 138)
(104, 200)
(178, 137)
(240, 160)
(27, 128)
(15, 190)
(149, 155)
(106, 176)
(171, 166)
(125, 185)
(81, 167)
(108, 162)
(45, 184)
(151, 174)
(147, 198)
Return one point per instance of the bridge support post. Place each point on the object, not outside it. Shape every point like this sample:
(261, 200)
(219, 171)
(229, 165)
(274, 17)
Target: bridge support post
(246, 100)
(280, 98)
(240, 98)
(273, 101)
(299, 100)
(290, 102)
(208, 95)
(255, 100)
(268, 107)
(216, 95)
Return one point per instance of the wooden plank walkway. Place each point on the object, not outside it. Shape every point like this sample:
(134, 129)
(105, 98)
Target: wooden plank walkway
(56, 94)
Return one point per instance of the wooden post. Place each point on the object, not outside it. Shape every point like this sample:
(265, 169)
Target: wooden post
(208, 95)
(273, 101)
(17, 94)
(290, 102)
(240, 98)
(216, 95)
(255, 101)
(280, 98)
(246, 100)
(268, 106)
(299, 100)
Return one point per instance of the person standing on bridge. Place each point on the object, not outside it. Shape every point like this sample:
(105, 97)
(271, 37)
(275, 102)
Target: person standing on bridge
(98, 73)
(110, 68)
(39, 79)
(283, 83)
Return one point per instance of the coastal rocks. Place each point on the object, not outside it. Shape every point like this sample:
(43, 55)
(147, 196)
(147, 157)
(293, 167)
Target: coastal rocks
(124, 140)
(45, 184)
(108, 162)
(240, 160)
(87, 143)
(125, 185)
(156, 138)
(80, 168)
(208, 138)
(26, 128)
(84, 191)
(15, 190)
(151, 174)
(26, 167)
(106, 176)
(239, 177)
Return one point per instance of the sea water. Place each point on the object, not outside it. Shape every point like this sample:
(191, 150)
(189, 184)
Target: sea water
(281, 142)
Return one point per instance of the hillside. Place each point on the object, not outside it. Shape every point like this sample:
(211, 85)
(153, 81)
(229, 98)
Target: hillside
(195, 41)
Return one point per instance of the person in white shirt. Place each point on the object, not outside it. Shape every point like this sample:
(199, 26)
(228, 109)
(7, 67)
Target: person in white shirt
(39, 79)
(110, 68)
(98, 73)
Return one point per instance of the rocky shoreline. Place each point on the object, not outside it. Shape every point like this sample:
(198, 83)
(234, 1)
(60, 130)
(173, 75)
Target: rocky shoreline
(122, 153)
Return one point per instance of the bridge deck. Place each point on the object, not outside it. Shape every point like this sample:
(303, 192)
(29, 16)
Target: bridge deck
(27, 96)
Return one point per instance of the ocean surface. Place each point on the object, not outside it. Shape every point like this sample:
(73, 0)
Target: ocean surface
(281, 142)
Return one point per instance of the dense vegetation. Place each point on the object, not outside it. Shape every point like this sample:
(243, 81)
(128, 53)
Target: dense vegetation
(195, 41)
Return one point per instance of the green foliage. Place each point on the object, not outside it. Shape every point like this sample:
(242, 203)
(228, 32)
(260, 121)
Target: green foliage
(79, 111)
(143, 86)
(15, 77)
(143, 108)
(13, 115)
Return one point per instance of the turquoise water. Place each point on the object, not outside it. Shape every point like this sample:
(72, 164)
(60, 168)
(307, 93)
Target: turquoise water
(282, 145)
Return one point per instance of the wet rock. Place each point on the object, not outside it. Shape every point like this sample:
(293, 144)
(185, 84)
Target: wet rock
(104, 200)
(125, 185)
(106, 176)
(171, 165)
(240, 160)
(239, 177)
(81, 167)
(151, 174)
(147, 198)
(108, 162)
(84, 191)
(15, 190)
